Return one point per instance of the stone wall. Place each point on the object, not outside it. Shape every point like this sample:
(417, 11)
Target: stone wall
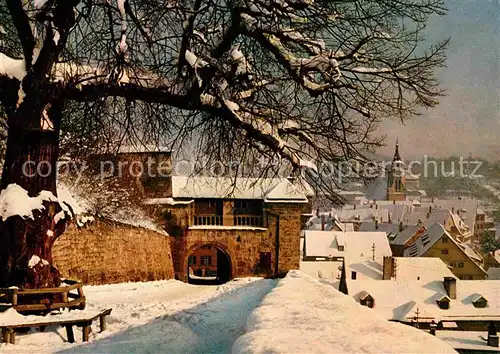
(289, 234)
(108, 252)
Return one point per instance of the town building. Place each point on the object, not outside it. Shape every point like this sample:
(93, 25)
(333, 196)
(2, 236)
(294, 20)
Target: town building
(335, 256)
(466, 262)
(253, 223)
(421, 291)
(401, 183)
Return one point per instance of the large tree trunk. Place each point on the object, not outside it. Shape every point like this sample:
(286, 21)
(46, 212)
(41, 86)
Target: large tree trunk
(26, 243)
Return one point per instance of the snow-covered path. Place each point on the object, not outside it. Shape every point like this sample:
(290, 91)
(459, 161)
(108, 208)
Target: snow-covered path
(209, 327)
(159, 317)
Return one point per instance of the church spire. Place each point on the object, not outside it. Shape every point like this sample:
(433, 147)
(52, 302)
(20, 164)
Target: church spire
(396, 153)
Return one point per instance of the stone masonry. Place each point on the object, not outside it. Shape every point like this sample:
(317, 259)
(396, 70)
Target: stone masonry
(108, 252)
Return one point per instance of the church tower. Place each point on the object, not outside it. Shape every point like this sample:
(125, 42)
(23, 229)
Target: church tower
(396, 180)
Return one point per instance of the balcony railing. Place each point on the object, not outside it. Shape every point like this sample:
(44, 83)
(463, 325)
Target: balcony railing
(249, 220)
(208, 220)
(239, 220)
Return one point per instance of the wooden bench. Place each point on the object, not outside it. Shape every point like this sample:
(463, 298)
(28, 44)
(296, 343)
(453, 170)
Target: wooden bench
(68, 321)
(27, 301)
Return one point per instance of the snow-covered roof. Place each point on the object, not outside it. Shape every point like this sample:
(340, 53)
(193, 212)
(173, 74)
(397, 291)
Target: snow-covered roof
(166, 201)
(269, 189)
(427, 240)
(322, 269)
(395, 236)
(394, 298)
(493, 273)
(421, 268)
(356, 245)
(327, 322)
(467, 341)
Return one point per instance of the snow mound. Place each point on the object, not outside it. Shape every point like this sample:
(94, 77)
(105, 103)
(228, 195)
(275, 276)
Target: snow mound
(301, 315)
(11, 316)
(14, 200)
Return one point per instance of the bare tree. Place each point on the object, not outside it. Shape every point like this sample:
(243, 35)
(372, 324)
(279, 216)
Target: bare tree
(300, 79)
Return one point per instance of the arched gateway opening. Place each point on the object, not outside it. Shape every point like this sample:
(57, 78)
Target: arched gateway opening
(208, 265)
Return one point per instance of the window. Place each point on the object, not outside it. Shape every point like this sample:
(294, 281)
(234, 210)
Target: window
(192, 260)
(444, 304)
(240, 204)
(480, 303)
(444, 251)
(206, 260)
(353, 275)
(444, 240)
(341, 247)
(265, 261)
(397, 185)
(460, 264)
(206, 247)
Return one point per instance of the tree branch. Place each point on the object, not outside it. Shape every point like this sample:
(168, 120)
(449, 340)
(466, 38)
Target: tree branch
(22, 23)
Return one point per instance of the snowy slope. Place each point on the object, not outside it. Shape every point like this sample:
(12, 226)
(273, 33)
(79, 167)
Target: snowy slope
(302, 315)
(158, 317)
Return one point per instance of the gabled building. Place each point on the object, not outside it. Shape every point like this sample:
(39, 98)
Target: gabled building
(253, 225)
(342, 257)
(222, 227)
(423, 290)
(466, 263)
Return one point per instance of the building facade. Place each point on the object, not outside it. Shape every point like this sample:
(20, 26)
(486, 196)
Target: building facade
(222, 227)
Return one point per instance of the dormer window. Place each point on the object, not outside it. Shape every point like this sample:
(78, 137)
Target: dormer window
(444, 303)
(366, 299)
(479, 301)
(341, 248)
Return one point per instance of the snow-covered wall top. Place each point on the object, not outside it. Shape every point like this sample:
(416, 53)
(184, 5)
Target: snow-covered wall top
(302, 315)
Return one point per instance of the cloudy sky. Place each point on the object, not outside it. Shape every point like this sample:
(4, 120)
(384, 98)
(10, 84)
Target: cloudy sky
(467, 120)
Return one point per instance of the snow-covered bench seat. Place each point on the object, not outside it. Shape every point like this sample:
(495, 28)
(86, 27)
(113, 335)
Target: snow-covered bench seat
(10, 322)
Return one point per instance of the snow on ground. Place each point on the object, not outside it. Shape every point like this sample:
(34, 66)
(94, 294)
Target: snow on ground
(157, 317)
(302, 315)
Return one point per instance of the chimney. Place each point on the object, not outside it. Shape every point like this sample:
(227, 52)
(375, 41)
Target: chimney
(371, 206)
(317, 212)
(322, 223)
(492, 335)
(430, 209)
(394, 201)
(376, 206)
(432, 199)
(376, 224)
(354, 206)
(388, 268)
(389, 219)
(433, 327)
(401, 228)
(458, 212)
(375, 201)
(452, 210)
(428, 215)
(450, 284)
